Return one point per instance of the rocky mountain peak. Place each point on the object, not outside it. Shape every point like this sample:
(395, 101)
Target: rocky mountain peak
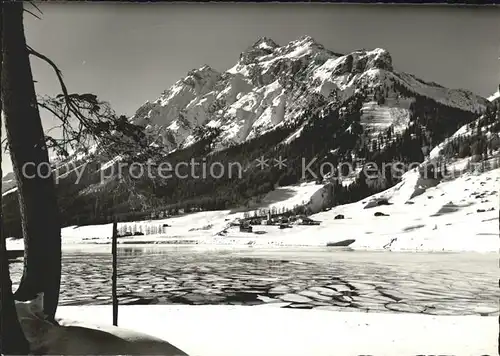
(304, 43)
(265, 43)
(203, 71)
(379, 58)
(306, 39)
(262, 47)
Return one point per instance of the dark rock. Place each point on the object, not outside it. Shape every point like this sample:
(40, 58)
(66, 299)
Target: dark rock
(378, 213)
(377, 202)
(342, 243)
(383, 202)
(339, 217)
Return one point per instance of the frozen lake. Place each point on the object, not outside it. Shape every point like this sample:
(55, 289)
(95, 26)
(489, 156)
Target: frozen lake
(430, 283)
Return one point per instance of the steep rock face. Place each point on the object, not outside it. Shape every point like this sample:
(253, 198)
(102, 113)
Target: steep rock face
(173, 116)
(271, 84)
(262, 47)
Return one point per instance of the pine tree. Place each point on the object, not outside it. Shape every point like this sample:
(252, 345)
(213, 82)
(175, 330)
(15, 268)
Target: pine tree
(388, 176)
(464, 150)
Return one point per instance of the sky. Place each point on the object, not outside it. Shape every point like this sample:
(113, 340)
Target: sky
(129, 53)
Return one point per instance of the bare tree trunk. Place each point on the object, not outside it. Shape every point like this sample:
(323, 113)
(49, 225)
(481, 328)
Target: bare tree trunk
(12, 340)
(36, 189)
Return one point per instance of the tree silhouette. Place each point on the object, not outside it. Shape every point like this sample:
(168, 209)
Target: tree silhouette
(12, 339)
(84, 120)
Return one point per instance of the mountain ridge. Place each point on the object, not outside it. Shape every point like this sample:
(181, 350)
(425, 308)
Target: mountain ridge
(262, 90)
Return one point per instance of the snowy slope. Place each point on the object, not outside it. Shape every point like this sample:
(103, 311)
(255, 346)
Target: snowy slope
(456, 215)
(306, 194)
(376, 117)
(195, 225)
(463, 131)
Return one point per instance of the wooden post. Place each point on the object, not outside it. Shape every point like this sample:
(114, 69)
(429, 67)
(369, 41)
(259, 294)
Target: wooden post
(114, 274)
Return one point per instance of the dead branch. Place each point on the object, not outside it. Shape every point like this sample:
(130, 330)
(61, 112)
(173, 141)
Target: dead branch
(29, 12)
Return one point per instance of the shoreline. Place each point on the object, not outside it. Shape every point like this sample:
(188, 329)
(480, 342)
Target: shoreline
(459, 216)
(243, 244)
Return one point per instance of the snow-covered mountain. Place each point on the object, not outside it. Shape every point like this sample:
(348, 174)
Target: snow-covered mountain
(271, 85)
(300, 101)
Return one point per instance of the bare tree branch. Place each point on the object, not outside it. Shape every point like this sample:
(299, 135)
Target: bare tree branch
(53, 65)
(86, 122)
(29, 12)
(36, 7)
(95, 119)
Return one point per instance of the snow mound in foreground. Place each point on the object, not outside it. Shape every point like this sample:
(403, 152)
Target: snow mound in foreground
(73, 338)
